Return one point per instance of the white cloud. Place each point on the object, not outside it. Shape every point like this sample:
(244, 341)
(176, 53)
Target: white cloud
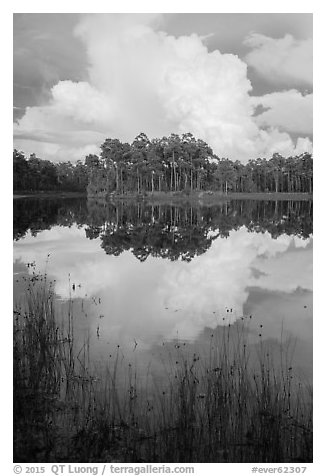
(288, 110)
(54, 150)
(272, 140)
(145, 80)
(281, 60)
(69, 127)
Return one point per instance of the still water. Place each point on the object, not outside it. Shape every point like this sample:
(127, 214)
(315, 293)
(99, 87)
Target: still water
(142, 275)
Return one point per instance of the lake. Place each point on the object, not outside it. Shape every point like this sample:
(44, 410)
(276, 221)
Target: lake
(141, 275)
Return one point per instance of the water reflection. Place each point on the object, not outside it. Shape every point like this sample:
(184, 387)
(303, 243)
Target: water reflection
(221, 263)
(167, 231)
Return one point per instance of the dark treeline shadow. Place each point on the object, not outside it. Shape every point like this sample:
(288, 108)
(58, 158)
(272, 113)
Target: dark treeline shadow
(166, 231)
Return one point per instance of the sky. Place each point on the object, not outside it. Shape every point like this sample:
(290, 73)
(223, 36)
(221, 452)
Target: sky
(241, 82)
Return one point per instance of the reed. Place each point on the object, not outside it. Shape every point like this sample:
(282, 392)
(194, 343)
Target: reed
(232, 403)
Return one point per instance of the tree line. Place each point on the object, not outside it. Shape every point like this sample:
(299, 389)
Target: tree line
(184, 163)
(169, 164)
(35, 174)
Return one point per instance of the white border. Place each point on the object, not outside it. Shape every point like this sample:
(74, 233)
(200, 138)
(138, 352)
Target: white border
(167, 6)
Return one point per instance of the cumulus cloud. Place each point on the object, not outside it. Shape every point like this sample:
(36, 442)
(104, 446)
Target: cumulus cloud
(141, 79)
(69, 127)
(272, 140)
(288, 110)
(283, 60)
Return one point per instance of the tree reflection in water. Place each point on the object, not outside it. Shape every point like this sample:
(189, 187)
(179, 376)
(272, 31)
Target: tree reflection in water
(161, 230)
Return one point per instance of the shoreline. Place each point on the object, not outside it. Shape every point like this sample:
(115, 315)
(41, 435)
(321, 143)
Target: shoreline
(270, 196)
(49, 195)
(201, 197)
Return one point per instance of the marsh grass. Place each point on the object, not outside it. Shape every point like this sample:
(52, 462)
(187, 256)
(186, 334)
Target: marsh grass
(232, 403)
